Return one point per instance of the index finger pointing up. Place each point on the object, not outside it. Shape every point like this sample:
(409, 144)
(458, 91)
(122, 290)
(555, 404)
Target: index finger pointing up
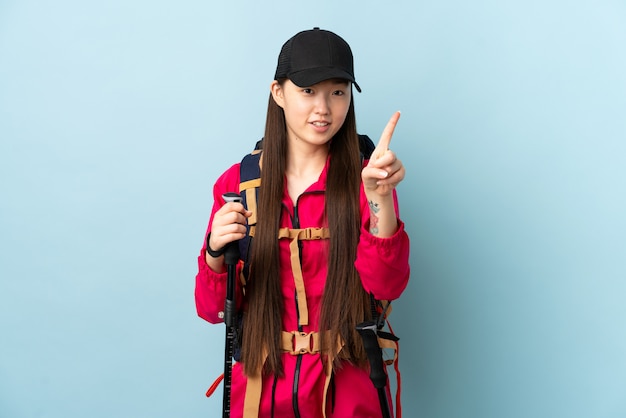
(385, 138)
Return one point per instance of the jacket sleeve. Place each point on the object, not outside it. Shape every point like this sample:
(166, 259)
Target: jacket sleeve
(382, 263)
(210, 291)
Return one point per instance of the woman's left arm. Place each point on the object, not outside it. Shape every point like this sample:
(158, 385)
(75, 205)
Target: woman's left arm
(383, 251)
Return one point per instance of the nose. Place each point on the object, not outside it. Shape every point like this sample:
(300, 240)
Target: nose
(322, 106)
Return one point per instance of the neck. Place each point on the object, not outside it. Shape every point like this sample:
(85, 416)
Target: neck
(304, 168)
(306, 161)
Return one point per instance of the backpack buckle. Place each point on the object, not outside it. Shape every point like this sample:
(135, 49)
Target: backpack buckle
(296, 342)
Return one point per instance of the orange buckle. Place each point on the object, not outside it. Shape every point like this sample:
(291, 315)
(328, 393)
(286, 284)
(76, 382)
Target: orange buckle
(302, 343)
(296, 343)
(311, 233)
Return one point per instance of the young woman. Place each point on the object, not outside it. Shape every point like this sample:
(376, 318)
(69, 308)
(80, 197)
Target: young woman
(327, 236)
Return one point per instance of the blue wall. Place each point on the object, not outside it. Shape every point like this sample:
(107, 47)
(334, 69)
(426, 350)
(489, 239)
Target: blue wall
(116, 117)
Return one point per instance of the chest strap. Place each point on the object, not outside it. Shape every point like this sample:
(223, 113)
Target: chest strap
(296, 235)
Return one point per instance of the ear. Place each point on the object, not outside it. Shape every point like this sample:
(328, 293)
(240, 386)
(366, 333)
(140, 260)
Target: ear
(278, 93)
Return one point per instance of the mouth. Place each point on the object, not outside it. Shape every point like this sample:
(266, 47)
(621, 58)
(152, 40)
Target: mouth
(320, 124)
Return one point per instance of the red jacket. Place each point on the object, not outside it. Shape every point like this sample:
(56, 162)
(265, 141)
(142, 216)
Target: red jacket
(383, 265)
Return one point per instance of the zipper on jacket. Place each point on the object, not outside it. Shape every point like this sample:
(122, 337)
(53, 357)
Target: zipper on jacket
(296, 375)
(296, 378)
(295, 222)
(274, 394)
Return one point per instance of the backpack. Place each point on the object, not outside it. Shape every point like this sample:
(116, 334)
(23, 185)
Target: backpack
(249, 183)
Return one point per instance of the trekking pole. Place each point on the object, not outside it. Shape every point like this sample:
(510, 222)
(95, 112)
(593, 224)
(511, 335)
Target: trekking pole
(231, 258)
(369, 333)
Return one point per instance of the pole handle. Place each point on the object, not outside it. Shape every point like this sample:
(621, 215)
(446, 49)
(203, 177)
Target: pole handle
(231, 254)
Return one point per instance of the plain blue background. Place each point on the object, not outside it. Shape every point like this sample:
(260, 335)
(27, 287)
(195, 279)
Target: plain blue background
(116, 117)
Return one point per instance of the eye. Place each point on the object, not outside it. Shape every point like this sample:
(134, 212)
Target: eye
(307, 91)
(339, 92)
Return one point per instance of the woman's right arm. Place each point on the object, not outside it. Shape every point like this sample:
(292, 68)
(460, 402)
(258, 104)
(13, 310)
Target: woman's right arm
(226, 224)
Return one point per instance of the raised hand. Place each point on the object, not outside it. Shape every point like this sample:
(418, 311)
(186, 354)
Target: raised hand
(384, 170)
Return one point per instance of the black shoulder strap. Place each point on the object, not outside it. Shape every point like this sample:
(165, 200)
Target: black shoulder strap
(366, 146)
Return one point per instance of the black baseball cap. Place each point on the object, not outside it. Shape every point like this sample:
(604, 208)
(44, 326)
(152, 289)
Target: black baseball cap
(312, 56)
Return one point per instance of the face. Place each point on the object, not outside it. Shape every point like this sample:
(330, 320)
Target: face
(314, 114)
